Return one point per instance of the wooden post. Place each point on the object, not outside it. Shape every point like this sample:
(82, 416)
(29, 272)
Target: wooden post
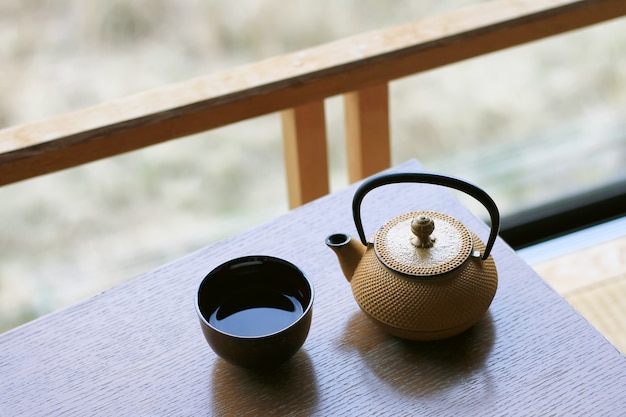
(306, 161)
(367, 131)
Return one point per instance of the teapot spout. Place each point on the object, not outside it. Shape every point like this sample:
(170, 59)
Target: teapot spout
(348, 251)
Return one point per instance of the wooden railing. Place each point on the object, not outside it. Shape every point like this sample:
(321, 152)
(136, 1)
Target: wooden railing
(296, 85)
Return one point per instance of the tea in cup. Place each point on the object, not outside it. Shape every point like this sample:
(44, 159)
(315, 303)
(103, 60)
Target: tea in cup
(255, 311)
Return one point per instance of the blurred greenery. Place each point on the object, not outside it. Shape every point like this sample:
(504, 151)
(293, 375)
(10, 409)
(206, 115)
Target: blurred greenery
(528, 124)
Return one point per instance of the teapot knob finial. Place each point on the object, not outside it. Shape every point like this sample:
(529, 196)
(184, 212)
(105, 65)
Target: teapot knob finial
(422, 227)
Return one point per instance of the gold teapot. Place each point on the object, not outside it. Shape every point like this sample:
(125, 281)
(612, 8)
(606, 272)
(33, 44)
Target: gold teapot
(423, 275)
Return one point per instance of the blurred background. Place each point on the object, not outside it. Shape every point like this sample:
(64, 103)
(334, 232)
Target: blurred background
(530, 125)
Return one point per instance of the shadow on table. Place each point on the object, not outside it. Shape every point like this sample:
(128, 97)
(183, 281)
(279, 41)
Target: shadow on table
(289, 389)
(423, 368)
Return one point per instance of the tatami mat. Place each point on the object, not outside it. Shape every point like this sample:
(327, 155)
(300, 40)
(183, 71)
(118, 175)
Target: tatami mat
(593, 280)
(604, 305)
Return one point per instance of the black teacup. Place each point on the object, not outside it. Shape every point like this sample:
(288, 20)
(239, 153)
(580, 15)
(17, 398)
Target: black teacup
(255, 311)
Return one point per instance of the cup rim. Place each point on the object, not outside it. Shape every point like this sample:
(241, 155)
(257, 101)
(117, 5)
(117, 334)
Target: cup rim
(252, 258)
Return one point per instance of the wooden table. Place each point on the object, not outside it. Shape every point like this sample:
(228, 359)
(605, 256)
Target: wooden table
(137, 350)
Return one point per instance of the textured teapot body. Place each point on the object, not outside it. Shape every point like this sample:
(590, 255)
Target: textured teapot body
(423, 275)
(424, 308)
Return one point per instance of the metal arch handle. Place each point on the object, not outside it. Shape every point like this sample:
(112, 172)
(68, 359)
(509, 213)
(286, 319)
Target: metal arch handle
(428, 178)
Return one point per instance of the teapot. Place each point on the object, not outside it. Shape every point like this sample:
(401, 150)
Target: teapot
(423, 275)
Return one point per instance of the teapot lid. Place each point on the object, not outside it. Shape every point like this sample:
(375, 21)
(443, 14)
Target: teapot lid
(423, 244)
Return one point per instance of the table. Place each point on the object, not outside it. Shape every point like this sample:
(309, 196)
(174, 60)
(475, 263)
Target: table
(137, 349)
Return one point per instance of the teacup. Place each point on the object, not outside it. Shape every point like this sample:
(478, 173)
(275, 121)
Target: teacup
(255, 311)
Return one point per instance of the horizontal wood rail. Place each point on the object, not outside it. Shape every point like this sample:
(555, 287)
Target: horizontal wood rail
(296, 84)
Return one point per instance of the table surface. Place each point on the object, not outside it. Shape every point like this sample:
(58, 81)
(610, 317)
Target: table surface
(138, 350)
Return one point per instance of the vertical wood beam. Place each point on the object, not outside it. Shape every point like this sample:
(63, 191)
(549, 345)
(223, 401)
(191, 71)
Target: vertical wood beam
(367, 131)
(306, 160)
